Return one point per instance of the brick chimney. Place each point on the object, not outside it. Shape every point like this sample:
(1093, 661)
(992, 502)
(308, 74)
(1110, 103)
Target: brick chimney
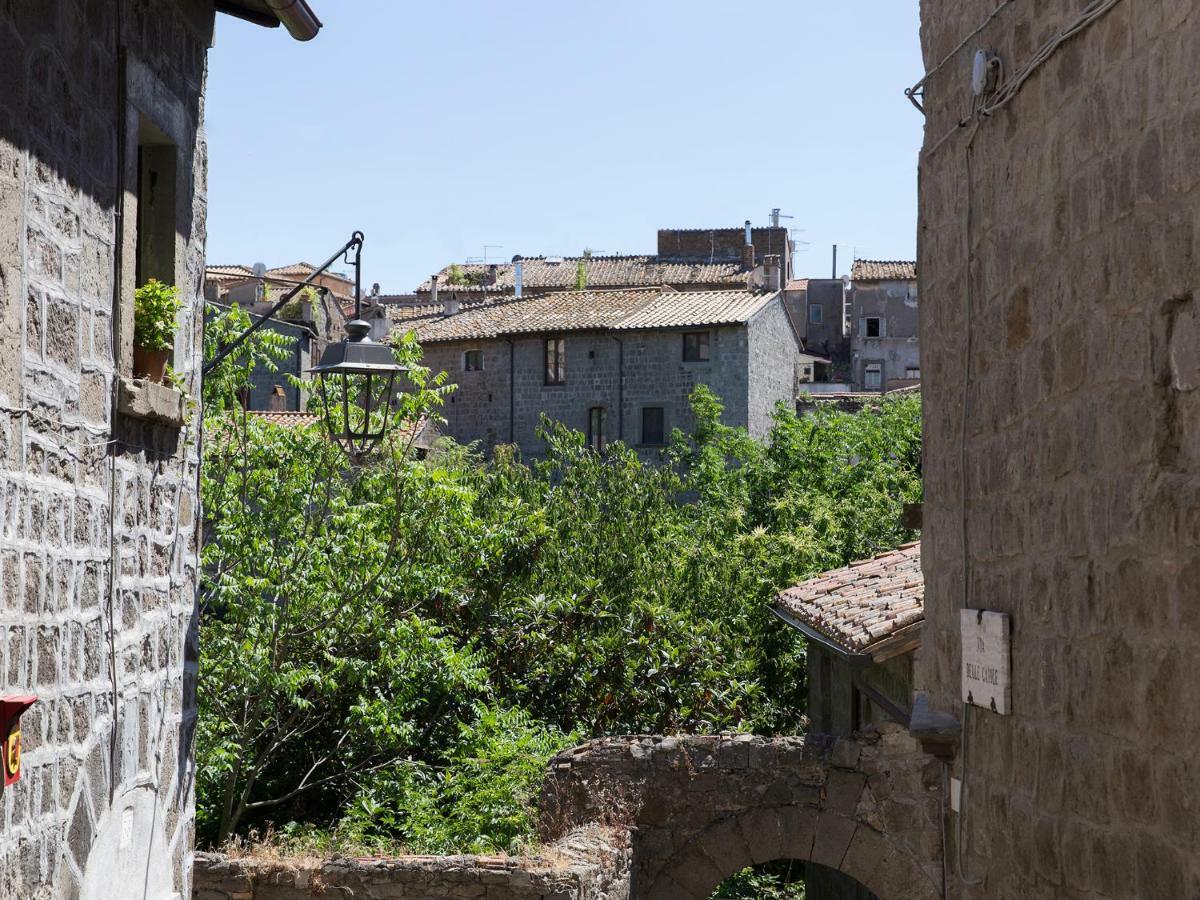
(748, 249)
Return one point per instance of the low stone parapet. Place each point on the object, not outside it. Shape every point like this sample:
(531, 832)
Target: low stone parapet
(587, 864)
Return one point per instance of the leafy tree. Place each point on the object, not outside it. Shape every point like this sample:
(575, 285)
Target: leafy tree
(398, 648)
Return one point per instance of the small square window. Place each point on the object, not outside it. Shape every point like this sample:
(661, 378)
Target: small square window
(816, 314)
(654, 426)
(595, 431)
(873, 327)
(696, 346)
(556, 361)
(473, 361)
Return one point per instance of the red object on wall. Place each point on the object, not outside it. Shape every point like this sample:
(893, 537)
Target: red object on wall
(10, 735)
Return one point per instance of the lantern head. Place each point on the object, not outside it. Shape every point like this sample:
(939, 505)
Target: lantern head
(357, 379)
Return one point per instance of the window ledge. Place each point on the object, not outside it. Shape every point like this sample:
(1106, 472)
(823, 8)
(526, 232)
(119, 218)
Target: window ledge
(138, 398)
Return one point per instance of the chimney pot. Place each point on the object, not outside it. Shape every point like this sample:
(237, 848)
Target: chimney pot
(772, 271)
(433, 286)
(452, 306)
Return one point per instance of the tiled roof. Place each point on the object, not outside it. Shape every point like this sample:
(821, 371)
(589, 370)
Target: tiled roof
(589, 311)
(796, 284)
(290, 418)
(218, 273)
(864, 603)
(883, 270)
(602, 272)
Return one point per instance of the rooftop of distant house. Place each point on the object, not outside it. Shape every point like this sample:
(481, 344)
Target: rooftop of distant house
(422, 432)
(591, 310)
(869, 607)
(562, 273)
(866, 270)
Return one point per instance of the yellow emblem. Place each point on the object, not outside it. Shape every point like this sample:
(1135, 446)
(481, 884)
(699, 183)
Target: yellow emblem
(13, 753)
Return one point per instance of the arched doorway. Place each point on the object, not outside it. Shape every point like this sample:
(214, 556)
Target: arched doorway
(790, 879)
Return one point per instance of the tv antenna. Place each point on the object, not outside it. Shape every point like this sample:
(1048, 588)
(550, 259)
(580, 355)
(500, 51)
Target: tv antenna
(776, 216)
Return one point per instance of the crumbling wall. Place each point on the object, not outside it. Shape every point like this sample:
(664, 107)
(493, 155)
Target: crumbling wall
(1058, 266)
(588, 864)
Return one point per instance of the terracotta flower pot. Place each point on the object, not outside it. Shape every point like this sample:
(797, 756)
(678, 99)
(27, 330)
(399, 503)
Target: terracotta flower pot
(150, 364)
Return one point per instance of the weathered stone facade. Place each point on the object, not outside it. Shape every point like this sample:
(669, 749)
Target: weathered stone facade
(588, 864)
(98, 474)
(1058, 263)
(703, 808)
(895, 349)
(752, 367)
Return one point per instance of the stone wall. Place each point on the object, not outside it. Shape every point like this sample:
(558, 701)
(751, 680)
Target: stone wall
(654, 375)
(895, 302)
(1058, 262)
(98, 509)
(588, 864)
(703, 808)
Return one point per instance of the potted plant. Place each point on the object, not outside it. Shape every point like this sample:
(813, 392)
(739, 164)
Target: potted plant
(155, 306)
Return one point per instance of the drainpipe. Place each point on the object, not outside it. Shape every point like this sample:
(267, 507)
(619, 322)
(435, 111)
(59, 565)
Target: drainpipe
(620, 389)
(512, 391)
(296, 16)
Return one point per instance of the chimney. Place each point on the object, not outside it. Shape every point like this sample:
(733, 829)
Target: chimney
(375, 289)
(518, 274)
(433, 281)
(492, 271)
(748, 249)
(277, 402)
(452, 306)
(772, 270)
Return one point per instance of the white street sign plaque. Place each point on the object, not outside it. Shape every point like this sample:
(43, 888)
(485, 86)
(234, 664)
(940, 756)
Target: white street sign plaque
(986, 660)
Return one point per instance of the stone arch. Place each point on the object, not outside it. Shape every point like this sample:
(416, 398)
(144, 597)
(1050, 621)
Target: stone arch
(787, 832)
(701, 808)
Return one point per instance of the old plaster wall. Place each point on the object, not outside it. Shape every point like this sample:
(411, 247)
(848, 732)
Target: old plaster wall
(703, 808)
(97, 511)
(588, 864)
(895, 302)
(1059, 333)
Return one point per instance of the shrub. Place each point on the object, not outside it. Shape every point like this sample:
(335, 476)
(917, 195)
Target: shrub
(155, 306)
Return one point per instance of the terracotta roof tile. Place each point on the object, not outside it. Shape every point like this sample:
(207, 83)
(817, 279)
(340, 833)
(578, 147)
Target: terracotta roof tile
(602, 272)
(425, 430)
(862, 603)
(883, 270)
(589, 311)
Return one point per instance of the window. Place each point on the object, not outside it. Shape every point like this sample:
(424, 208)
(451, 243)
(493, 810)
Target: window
(873, 377)
(695, 346)
(155, 251)
(473, 361)
(816, 314)
(595, 428)
(912, 372)
(654, 426)
(556, 361)
(874, 327)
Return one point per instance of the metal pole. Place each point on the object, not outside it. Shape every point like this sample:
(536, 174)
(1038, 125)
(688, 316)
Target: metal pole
(355, 241)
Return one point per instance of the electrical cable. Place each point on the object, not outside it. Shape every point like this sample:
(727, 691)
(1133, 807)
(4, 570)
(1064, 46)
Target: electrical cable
(920, 85)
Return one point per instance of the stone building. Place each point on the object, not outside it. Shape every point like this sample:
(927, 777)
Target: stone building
(102, 162)
(687, 259)
(884, 352)
(1059, 191)
(820, 307)
(615, 365)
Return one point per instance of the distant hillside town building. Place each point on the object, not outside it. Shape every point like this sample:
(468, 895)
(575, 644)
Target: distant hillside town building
(687, 259)
(616, 365)
(884, 341)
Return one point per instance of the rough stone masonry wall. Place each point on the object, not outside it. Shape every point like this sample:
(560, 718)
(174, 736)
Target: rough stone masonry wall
(703, 808)
(1058, 262)
(97, 512)
(588, 864)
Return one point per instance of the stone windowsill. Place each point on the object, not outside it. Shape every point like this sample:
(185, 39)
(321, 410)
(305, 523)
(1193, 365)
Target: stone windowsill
(142, 399)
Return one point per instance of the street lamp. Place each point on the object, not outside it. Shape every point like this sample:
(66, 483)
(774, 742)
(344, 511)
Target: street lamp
(357, 378)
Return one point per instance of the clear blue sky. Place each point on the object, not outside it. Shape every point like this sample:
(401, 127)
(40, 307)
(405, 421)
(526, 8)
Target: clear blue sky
(548, 127)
